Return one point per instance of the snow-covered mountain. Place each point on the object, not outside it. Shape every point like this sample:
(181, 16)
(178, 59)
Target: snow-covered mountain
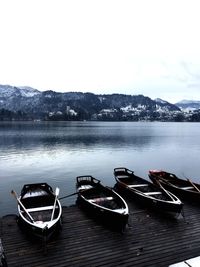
(7, 91)
(188, 105)
(36, 104)
(161, 101)
(28, 91)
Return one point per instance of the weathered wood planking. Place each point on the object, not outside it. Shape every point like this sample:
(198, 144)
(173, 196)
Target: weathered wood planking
(149, 240)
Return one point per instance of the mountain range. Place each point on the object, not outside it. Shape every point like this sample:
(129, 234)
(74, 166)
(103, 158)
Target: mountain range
(30, 103)
(188, 105)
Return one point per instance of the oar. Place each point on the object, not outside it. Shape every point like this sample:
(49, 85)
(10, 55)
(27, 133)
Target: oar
(69, 195)
(20, 203)
(54, 206)
(76, 193)
(193, 185)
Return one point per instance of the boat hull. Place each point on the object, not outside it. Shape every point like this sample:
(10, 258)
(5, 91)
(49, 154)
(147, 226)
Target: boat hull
(178, 190)
(102, 202)
(37, 233)
(40, 211)
(161, 206)
(113, 220)
(169, 204)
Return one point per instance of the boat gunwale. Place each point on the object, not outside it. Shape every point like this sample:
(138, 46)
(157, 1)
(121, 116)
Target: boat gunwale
(165, 181)
(40, 224)
(97, 182)
(173, 198)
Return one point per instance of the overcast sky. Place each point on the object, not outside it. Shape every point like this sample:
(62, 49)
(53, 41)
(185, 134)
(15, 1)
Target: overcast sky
(133, 47)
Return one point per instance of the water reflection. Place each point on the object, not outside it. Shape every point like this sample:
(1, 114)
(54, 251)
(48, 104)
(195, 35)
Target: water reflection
(47, 136)
(57, 152)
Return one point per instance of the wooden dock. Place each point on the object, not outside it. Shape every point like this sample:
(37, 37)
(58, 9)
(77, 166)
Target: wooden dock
(149, 240)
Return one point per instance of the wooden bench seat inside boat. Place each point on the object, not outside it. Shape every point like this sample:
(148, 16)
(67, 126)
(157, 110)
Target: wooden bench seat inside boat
(100, 199)
(153, 193)
(85, 187)
(137, 185)
(40, 209)
(187, 187)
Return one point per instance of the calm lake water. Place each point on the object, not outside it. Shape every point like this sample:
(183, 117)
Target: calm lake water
(57, 152)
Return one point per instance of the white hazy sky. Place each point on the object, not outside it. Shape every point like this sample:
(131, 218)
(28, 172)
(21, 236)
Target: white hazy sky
(133, 47)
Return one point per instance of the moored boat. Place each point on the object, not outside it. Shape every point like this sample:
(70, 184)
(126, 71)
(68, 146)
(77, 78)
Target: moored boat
(185, 189)
(102, 200)
(146, 192)
(39, 210)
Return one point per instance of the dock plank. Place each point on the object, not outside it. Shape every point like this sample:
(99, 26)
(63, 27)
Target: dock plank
(149, 240)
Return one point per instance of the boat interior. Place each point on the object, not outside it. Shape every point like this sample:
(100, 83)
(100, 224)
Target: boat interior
(40, 207)
(149, 189)
(99, 195)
